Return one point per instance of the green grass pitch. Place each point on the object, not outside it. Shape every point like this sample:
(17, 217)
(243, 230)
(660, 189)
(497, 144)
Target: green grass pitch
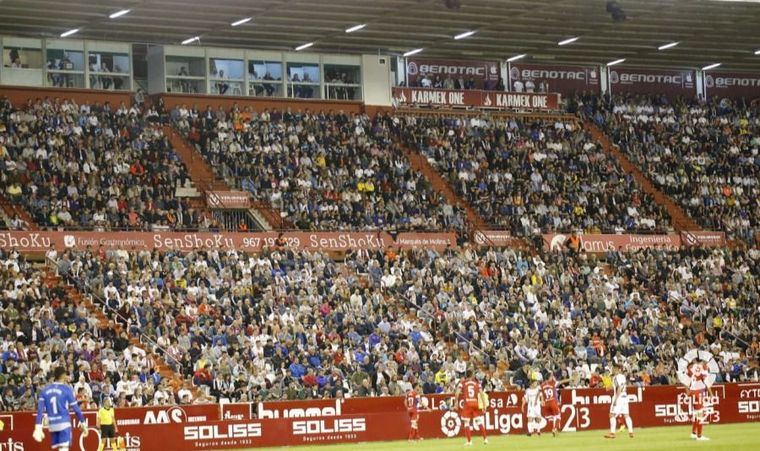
(733, 437)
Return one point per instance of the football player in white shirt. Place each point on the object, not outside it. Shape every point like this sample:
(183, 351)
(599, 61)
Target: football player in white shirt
(619, 404)
(533, 399)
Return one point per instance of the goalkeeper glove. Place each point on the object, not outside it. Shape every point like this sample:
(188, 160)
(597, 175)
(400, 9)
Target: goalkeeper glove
(38, 433)
(83, 427)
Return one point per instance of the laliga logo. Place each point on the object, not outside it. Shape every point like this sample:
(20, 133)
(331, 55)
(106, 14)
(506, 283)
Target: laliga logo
(557, 242)
(450, 424)
(687, 369)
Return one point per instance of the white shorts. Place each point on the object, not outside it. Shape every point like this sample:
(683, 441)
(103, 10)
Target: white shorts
(621, 406)
(534, 411)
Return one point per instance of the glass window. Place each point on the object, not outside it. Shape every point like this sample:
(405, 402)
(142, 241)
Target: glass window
(342, 82)
(303, 80)
(265, 78)
(185, 66)
(22, 58)
(185, 85)
(62, 68)
(109, 70)
(225, 69)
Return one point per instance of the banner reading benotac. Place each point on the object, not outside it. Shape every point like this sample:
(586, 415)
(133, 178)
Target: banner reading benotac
(565, 80)
(485, 74)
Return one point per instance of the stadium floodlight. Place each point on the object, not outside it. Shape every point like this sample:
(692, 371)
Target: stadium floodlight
(612, 63)
(711, 66)
(241, 21)
(568, 41)
(69, 33)
(304, 46)
(413, 52)
(757, 52)
(189, 40)
(355, 28)
(517, 57)
(668, 46)
(120, 13)
(466, 34)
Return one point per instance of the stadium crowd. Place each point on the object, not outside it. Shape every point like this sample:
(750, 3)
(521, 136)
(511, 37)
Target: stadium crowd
(285, 324)
(533, 177)
(332, 171)
(704, 155)
(93, 166)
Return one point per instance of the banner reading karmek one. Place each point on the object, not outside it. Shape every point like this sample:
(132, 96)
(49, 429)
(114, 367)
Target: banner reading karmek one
(733, 85)
(41, 241)
(234, 200)
(651, 81)
(600, 243)
(476, 99)
(545, 78)
(291, 423)
(485, 74)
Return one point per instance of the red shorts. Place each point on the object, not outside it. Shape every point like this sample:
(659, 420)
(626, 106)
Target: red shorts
(551, 409)
(414, 415)
(471, 411)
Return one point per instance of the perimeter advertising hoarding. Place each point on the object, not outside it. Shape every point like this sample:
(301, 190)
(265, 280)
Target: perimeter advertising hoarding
(562, 79)
(650, 81)
(733, 85)
(41, 241)
(600, 243)
(498, 100)
(382, 419)
(484, 73)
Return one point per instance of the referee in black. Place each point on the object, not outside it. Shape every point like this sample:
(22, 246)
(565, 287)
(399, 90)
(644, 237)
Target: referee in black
(107, 425)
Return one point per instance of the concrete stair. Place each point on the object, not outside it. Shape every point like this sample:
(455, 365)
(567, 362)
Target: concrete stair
(679, 220)
(12, 210)
(72, 293)
(419, 163)
(204, 179)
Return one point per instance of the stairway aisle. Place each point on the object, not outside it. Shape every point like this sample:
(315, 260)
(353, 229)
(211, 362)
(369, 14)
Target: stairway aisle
(680, 221)
(204, 178)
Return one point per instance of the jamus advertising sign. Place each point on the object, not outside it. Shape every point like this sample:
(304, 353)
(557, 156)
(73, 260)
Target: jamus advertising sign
(649, 81)
(292, 423)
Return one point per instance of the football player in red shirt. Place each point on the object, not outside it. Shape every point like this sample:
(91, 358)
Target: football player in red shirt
(467, 392)
(412, 403)
(698, 392)
(551, 405)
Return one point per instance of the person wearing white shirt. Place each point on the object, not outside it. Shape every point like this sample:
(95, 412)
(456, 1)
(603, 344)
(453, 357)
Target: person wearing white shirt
(619, 405)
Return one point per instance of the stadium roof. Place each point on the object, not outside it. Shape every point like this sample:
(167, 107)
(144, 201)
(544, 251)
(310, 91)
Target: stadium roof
(707, 31)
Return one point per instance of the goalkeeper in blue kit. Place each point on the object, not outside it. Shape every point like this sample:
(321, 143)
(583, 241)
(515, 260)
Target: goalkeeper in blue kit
(55, 400)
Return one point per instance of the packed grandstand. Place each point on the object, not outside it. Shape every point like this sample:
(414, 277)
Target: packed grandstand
(277, 248)
(298, 324)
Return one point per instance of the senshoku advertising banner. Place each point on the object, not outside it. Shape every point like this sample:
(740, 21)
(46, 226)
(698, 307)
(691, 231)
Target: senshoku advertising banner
(293, 423)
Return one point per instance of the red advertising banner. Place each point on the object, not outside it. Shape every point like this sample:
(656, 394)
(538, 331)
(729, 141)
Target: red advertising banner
(484, 73)
(650, 81)
(33, 241)
(292, 423)
(707, 239)
(733, 85)
(476, 99)
(498, 238)
(228, 199)
(546, 78)
(600, 243)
